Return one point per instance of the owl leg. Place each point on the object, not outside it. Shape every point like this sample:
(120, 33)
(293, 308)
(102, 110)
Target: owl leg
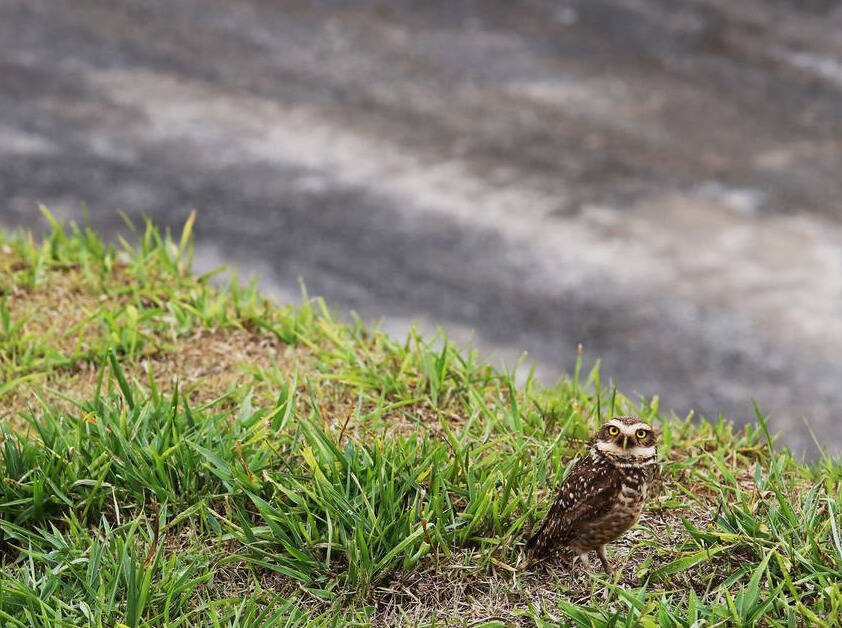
(586, 563)
(604, 559)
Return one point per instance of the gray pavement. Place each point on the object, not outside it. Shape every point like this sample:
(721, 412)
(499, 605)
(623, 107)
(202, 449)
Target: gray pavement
(659, 181)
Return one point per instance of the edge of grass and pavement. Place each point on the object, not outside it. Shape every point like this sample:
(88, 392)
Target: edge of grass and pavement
(179, 454)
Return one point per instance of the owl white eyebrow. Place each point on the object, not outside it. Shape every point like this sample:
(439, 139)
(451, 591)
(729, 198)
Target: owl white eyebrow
(631, 429)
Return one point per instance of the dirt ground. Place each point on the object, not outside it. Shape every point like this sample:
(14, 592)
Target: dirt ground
(658, 181)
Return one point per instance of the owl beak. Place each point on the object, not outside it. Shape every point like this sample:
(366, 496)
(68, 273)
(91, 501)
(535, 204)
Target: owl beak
(625, 442)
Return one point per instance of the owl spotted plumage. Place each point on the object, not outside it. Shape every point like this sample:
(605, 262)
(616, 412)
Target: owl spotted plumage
(604, 494)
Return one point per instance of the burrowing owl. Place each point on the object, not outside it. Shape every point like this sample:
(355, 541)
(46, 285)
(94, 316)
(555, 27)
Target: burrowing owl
(604, 494)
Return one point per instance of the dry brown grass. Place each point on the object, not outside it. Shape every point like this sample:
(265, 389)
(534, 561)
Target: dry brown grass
(65, 312)
(206, 365)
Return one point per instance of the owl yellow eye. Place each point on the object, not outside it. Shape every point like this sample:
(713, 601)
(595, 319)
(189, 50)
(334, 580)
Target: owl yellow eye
(613, 430)
(641, 433)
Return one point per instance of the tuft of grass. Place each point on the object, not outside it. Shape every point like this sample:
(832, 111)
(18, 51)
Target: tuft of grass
(176, 454)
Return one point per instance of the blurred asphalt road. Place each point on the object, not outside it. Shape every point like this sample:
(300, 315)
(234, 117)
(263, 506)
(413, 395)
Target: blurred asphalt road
(657, 180)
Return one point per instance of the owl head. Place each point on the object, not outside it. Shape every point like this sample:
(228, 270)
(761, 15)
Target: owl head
(626, 437)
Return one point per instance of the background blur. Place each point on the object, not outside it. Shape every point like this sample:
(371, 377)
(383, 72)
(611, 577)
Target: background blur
(659, 180)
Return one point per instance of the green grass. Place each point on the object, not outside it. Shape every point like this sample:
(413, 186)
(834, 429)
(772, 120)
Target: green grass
(180, 455)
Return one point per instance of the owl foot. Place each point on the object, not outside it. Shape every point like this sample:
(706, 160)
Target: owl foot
(604, 559)
(586, 562)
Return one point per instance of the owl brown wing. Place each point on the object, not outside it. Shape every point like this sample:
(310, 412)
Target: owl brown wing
(586, 494)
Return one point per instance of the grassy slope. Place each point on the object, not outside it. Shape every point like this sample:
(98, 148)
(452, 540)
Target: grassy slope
(175, 453)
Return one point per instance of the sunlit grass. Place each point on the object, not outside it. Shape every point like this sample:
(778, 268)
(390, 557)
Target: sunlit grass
(349, 478)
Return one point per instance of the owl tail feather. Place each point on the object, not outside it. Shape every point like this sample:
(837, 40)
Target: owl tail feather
(536, 545)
